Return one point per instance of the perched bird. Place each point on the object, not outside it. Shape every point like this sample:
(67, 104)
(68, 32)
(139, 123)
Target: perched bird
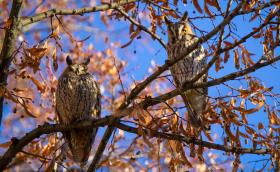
(180, 37)
(77, 99)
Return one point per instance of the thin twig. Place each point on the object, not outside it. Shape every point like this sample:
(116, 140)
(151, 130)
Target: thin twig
(153, 35)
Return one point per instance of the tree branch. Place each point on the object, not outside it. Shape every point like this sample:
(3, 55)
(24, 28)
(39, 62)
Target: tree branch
(8, 47)
(102, 145)
(220, 51)
(18, 145)
(139, 87)
(80, 11)
(154, 36)
(188, 140)
(186, 86)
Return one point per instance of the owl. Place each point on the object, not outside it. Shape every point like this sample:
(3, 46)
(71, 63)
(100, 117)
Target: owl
(180, 37)
(77, 99)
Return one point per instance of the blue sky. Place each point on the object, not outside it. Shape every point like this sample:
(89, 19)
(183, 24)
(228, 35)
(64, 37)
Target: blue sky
(142, 52)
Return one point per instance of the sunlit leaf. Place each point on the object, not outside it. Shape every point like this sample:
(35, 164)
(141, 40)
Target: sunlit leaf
(197, 6)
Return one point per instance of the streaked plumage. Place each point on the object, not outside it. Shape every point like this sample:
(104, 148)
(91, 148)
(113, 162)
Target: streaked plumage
(180, 37)
(78, 98)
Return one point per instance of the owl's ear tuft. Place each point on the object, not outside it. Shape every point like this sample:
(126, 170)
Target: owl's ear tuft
(185, 17)
(87, 61)
(167, 21)
(69, 60)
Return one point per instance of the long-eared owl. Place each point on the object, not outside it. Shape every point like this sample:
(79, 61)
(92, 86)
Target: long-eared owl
(77, 99)
(180, 37)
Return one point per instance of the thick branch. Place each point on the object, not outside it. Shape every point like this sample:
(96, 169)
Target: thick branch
(134, 92)
(220, 51)
(8, 47)
(189, 140)
(18, 145)
(139, 87)
(80, 11)
(186, 86)
(102, 146)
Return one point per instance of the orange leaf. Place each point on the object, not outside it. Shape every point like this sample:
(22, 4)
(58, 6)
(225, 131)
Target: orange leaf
(8, 24)
(250, 130)
(37, 52)
(217, 64)
(131, 28)
(208, 12)
(274, 119)
(260, 126)
(238, 143)
(236, 59)
(134, 34)
(227, 43)
(5, 144)
(229, 133)
(196, 5)
(213, 3)
(39, 85)
(226, 56)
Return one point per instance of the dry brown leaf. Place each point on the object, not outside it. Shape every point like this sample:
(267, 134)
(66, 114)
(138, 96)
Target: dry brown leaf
(226, 56)
(236, 59)
(5, 144)
(41, 87)
(260, 126)
(250, 130)
(134, 34)
(196, 5)
(131, 28)
(213, 3)
(218, 64)
(249, 111)
(273, 118)
(229, 133)
(183, 155)
(206, 9)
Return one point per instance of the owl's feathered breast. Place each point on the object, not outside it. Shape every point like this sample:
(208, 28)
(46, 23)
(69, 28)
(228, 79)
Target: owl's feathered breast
(77, 97)
(191, 64)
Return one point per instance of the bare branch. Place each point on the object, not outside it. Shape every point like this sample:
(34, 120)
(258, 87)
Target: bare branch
(188, 140)
(80, 11)
(18, 144)
(186, 86)
(102, 145)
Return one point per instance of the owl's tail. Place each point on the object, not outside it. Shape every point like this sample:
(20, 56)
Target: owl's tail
(80, 142)
(196, 105)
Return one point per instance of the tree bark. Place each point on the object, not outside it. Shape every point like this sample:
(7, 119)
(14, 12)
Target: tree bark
(9, 46)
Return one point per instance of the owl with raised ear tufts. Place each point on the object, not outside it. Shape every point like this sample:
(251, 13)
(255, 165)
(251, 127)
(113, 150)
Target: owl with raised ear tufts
(77, 99)
(180, 37)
